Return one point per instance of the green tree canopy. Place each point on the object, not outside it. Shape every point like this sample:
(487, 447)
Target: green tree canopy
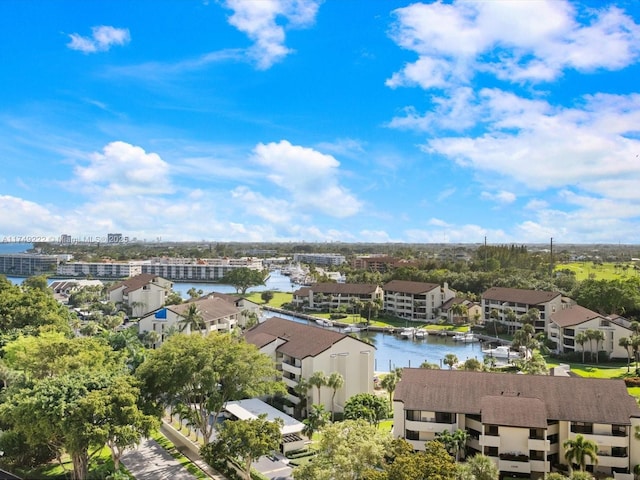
(367, 406)
(242, 278)
(199, 374)
(246, 440)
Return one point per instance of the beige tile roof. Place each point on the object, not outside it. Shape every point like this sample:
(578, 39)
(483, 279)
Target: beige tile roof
(301, 340)
(513, 411)
(518, 295)
(565, 398)
(405, 286)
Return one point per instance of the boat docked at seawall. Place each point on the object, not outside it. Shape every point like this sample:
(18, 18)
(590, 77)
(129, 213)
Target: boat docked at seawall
(407, 332)
(420, 333)
(502, 352)
(351, 329)
(465, 337)
(324, 323)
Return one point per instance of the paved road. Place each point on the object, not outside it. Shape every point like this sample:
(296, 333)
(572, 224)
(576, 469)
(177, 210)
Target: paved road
(152, 462)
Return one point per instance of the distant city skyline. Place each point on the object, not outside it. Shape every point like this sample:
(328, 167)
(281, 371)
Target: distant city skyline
(322, 121)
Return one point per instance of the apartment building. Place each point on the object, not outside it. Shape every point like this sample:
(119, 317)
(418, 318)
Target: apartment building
(28, 264)
(299, 350)
(216, 314)
(199, 270)
(520, 301)
(143, 293)
(521, 421)
(325, 296)
(105, 270)
(415, 301)
(566, 324)
(319, 258)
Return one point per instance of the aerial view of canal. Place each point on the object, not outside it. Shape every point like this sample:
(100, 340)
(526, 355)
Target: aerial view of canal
(391, 350)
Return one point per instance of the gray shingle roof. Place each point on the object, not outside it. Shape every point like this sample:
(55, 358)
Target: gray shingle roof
(564, 398)
(573, 315)
(210, 308)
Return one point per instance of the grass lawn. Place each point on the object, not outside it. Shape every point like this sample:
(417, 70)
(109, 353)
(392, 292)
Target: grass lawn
(279, 298)
(605, 271)
(99, 467)
(607, 370)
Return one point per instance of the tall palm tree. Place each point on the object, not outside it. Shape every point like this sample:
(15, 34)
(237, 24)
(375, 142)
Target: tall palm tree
(635, 345)
(460, 438)
(577, 450)
(598, 336)
(625, 342)
(301, 390)
(581, 339)
(590, 334)
(318, 379)
(335, 382)
(390, 381)
(192, 319)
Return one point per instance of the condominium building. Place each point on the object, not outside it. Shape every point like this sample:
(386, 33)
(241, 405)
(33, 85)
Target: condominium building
(199, 270)
(319, 258)
(142, 293)
(28, 264)
(331, 296)
(299, 350)
(415, 301)
(105, 270)
(520, 301)
(521, 421)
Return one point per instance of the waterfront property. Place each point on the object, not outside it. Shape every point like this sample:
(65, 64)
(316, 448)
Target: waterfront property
(330, 296)
(521, 421)
(448, 311)
(244, 305)
(142, 294)
(520, 301)
(197, 270)
(300, 350)
(105, 270)
(415, 301)
(214, 314)
(28, 264)
(566, 324)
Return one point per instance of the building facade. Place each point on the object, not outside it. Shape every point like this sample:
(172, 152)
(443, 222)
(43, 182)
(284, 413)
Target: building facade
(521, 421)
(498, 301)
(197, 270)
(331, 296)
(300, 350)
(415, 301)
(104, 270)
(319, 258)
(143, 293)
(566, 324)
(28, 264)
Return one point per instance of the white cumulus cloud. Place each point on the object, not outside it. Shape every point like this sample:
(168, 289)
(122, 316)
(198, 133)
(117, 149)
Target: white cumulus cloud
(265, 21)
(125, 169)
(310, 177)
(102, 38)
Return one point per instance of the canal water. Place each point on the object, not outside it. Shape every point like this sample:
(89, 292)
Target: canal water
(392, 351)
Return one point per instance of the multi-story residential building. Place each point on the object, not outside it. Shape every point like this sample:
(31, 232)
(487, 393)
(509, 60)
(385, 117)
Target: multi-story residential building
(330, 296)
(216, 314)
(105, 270)
(566, 324)
(415, 301)
(374, 263)
(299, 350)
(143, 293)
(246, 307)
(473, 311)
(520, 301)
(28, 264)
(197, 270)
(319, 258)
(520, 421)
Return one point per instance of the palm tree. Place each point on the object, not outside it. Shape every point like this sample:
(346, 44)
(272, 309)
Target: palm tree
(318, 379)
(390, 381)
(577, 451)
(459, 310)
(460, 438)
(450, 359)
(635, 345)
(511, 317)
(482, 467)
(598, 336)
(192, 319)
(301, 390)
(590, 334)
(625, 342)
(316, 419)
(581, 339)
(335, 383)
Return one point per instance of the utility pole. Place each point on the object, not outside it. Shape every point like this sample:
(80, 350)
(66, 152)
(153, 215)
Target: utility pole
(551, 259)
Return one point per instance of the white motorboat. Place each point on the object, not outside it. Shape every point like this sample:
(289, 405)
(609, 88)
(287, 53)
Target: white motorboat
(407, 332)
(351, 329)
(465, 337)
(324, 323)
(501, 351)
(421, 333)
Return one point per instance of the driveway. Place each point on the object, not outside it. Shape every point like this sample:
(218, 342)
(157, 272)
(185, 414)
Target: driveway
(152, 462)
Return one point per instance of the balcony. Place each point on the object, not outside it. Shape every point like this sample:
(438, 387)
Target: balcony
(431, 427)
(287, 367)
(603, 439)
(489, 441)
(289, 382)
(514, 463)
(605, 460)
(539, 444)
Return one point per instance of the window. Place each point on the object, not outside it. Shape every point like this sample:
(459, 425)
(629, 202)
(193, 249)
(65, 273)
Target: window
(491, 451)
(604, 323)
(412, 435)
(582, 427)
(444, 417)
(491, 430)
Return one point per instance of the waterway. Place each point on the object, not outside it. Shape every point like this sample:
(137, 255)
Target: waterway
(392, 351)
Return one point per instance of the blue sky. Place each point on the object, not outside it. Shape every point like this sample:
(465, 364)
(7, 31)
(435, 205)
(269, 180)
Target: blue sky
(303, 120)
